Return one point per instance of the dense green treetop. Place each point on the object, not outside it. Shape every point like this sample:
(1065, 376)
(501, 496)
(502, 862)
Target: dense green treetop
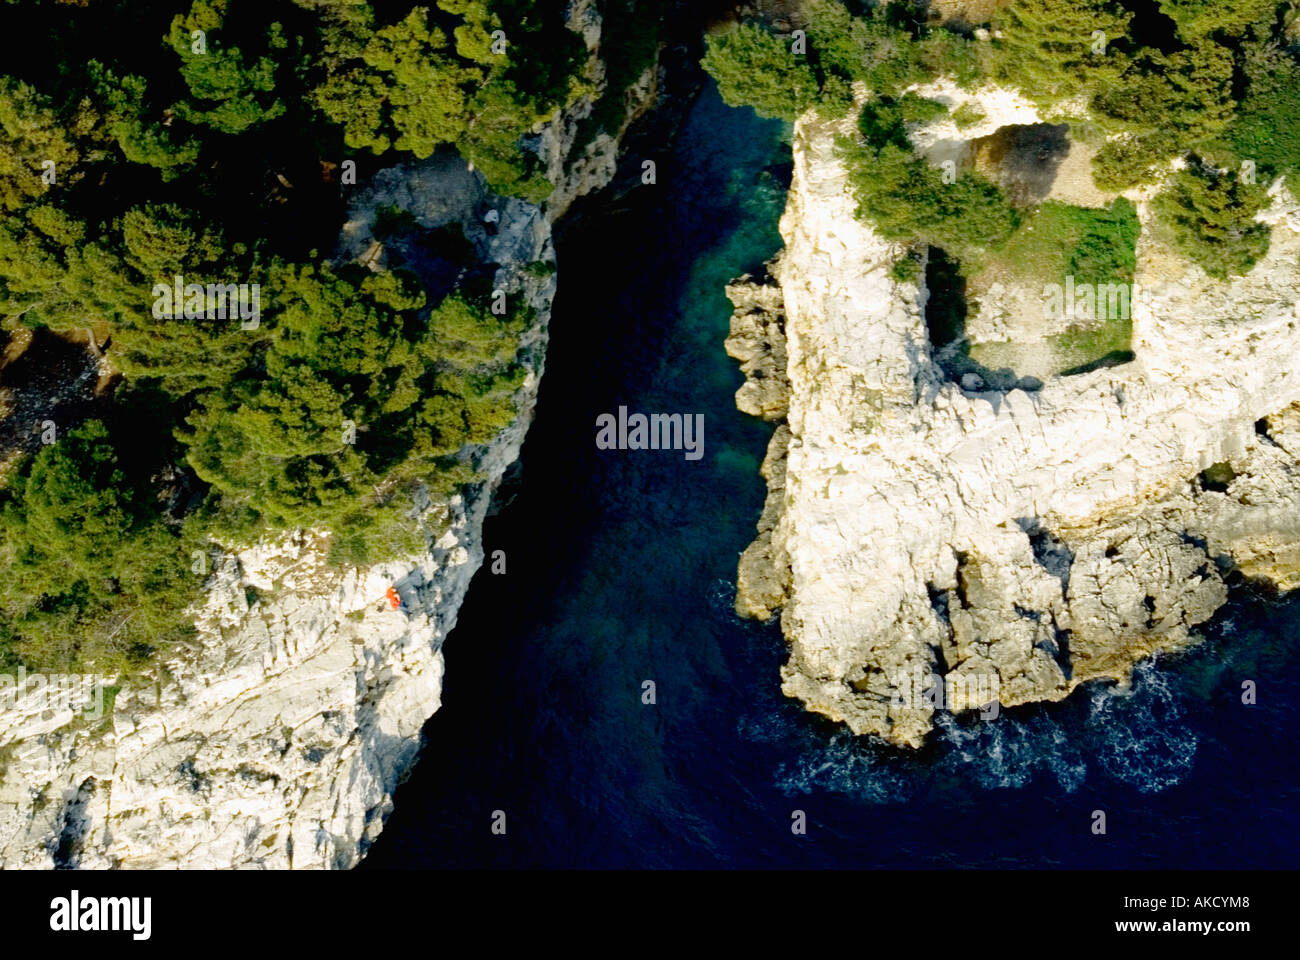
(756, 68)
(206, 142)
(1193, 79)
(1060, 50)
(1211, 217)
(95, 574)
(1200, 18)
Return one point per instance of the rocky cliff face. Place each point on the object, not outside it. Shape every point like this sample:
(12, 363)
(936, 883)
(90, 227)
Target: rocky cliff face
(1008, 546)
(278, 737)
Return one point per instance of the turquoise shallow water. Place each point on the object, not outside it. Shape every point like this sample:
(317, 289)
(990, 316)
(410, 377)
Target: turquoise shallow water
(620, 569)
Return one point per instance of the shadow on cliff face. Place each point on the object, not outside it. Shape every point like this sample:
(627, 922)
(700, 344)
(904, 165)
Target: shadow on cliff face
(945, 319)
(74, 821)
(946, 313)
(1023, 159)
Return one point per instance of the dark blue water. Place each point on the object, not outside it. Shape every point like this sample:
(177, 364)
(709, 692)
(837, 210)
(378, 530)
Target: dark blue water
(620, 569)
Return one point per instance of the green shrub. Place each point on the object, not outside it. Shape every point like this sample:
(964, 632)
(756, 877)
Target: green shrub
(1128, 161)
(908, 269)
(755, 68)
(95, 573)
(393, 221)
(870, 48)
(1210, 216)
(1267, 125)
(918, 110)
(906, 199)
(1106, 249)
(1199, 18)
(1047, 47)
(947, 54)
(1186, 95)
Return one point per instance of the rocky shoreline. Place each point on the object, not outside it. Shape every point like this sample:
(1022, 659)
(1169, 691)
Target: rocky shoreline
(277, 737)
(1025, 540)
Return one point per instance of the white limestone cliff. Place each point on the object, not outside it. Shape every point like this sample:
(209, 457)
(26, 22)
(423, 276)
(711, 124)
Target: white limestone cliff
(277, 737)
(1030, 540)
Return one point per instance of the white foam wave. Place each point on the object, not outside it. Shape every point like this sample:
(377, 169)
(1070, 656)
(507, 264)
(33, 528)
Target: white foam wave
(844, 764)
(1008, 752)
(1142, 735)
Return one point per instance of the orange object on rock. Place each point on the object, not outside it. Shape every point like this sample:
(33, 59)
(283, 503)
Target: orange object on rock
(393, 598)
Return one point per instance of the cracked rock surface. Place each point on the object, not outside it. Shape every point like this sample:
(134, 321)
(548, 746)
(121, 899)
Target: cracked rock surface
(1027, 540)
(277, 737)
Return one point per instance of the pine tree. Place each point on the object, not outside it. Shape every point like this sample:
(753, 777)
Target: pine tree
(1201, 18)
(229, 92)
(1048, 48)
(757, 69)
(1211, 218)
(122, 102)
(31, 133)
(93, 571)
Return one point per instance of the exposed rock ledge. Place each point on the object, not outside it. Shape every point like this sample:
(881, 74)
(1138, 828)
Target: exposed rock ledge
(757, 340)
(1030, 540)
(278, 738)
